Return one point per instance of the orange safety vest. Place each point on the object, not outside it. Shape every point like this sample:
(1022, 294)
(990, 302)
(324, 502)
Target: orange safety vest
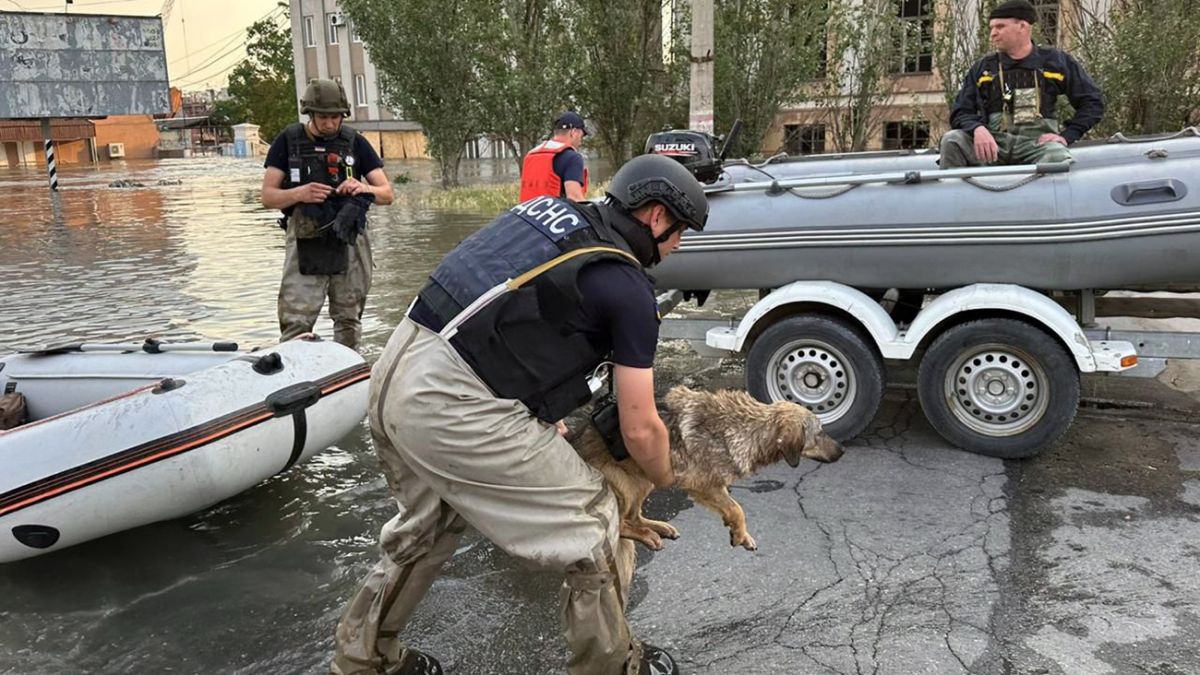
(537, 172)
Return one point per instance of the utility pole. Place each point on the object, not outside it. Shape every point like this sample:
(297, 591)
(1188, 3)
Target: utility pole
(700, 107)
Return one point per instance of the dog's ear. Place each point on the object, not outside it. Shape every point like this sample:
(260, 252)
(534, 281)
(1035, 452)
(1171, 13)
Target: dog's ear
(792, 440)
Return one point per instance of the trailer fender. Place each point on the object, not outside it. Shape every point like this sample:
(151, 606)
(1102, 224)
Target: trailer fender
(873, 319)
(997, 297)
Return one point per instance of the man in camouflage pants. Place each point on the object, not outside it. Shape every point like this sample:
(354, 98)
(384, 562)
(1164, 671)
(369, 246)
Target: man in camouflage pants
(324, 175)
(1006, 111)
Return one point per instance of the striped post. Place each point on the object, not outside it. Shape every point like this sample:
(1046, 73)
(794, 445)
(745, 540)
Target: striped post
(51, 165)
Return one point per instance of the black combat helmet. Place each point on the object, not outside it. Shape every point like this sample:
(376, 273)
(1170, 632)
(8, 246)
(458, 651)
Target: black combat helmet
(655, 178)
(324, 96)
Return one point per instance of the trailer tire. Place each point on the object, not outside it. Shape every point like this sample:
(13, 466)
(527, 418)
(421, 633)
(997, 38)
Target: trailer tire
(823, 363)
(999, 387)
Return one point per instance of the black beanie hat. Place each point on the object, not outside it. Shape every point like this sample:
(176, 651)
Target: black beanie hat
(1014, 9)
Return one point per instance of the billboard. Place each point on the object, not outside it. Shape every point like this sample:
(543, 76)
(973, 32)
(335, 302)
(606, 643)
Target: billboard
(81, 65)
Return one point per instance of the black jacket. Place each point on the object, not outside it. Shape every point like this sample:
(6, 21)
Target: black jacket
(1057, 73)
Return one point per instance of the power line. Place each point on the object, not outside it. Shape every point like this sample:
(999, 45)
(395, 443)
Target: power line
(209, 63)
(194, 74)
(194, 77)
(226, 39)
(78, 4)
(198, 80)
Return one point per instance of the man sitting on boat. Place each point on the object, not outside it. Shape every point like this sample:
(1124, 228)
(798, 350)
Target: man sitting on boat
(1005, 111)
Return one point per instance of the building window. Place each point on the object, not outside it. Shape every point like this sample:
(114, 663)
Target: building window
(1047, 25)
(332, 23)
(355, 36)
(916, 36)
(906, 136)
(804, 139)
(308, 32)
(360, 90)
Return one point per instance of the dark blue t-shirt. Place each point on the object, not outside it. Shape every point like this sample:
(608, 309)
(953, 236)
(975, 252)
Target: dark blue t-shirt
(366, 159)
(568, 164)
(619, 311)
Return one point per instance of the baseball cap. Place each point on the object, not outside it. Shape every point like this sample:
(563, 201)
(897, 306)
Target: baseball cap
(570, 120)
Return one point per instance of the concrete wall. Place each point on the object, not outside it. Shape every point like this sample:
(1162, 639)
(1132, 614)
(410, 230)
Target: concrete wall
(137, 132)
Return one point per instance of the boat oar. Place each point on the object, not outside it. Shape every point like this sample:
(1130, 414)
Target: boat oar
(150, 346)
(898, 177)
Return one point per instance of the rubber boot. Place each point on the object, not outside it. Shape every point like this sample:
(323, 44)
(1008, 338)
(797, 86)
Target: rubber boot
(656, 661)
(417, 663)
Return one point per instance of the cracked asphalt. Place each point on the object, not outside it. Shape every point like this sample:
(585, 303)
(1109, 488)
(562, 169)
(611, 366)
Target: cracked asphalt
(907, 556)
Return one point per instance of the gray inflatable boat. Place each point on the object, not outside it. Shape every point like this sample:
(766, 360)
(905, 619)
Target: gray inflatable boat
(1125, 214)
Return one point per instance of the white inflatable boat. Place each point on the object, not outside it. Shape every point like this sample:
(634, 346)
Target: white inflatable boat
(124, 435)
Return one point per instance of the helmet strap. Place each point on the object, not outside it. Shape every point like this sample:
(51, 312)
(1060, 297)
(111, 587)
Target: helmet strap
(635, 233)
(677, 227)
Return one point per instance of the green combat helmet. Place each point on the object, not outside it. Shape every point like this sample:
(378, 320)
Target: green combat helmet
(324, 96)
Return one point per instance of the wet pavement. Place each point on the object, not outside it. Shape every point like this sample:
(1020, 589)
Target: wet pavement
(906, 556)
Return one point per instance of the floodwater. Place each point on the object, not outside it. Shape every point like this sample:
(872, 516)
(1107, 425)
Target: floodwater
(255, 584)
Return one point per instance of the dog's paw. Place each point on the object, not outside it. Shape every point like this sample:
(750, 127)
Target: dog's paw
(744, 540)
(645, 536)
(664, 530)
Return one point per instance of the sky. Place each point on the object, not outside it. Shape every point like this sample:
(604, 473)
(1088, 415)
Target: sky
(204, 38)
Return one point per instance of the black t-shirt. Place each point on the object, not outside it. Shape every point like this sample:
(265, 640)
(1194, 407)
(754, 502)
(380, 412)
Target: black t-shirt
(366, 159)
(568, 164)
(619, 310)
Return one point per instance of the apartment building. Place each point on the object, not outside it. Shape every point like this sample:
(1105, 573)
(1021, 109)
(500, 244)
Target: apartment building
(915, 114)
(325, 44)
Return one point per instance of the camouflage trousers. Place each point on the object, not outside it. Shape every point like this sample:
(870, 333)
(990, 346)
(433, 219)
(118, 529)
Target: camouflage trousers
(1018, 147)
(455, 455)
(301, 296)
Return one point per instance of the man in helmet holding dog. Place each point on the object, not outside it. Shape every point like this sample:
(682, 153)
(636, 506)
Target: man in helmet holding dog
(324, 176)
(498, 347)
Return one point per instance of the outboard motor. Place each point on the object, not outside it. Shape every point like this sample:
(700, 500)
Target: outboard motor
(695, 150)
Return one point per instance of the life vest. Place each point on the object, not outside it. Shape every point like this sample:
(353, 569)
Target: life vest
(320, 251)
(1040, 76)
(508, 300)
(537, 172)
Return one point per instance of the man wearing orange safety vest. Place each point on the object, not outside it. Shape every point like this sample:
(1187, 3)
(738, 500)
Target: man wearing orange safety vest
(555, 168)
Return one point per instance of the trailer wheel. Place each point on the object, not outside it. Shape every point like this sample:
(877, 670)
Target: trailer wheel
(999, 387)
(823, 363)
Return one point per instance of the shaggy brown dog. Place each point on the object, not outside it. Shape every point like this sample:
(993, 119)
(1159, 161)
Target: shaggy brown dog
(716, 438)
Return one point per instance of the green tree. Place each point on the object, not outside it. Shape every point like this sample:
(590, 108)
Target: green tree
(431, 58)
(960, 40)
(620, 79)
(859, 83)
(262, 87)
(1143, 54)
(526, 64)
(765, 51)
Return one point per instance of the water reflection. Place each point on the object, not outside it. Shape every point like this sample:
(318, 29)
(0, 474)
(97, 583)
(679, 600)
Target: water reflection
(200, 259)
(256, 584)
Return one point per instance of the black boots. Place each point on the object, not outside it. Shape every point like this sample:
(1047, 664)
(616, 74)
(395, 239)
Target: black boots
(417, 663)
(656, 661)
